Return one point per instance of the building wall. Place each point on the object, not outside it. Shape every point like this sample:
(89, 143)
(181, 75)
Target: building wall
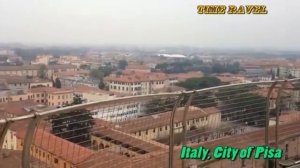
(10, 140)
(99, 144)
(59, 99)
(21, 97)
(53, 99)
(132, 88)
(4, 98)
(45, 84)
(286, 71)
(20, 72)
(46, 157)
(18, 86)
(34, 72)
(211, 121)
(137, 88)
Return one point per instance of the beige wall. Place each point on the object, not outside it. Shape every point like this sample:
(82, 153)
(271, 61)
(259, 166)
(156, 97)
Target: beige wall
(59, 99)
(211, 121)
(34, 72)
(10, 98)
(146, 87)
(99, 144)
(49, 158)
(53, 99)
(10, 140)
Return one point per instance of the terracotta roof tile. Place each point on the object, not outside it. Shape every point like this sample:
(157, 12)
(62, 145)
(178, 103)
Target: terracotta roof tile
(50, 90)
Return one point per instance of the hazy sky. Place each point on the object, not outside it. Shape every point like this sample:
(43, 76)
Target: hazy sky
(148, 22)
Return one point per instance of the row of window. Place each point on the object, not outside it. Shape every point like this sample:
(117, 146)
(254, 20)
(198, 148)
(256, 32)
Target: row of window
(125, 88)
(4, 99)
(177, 124)
(42, 154)
(124, 83)
(154, 130)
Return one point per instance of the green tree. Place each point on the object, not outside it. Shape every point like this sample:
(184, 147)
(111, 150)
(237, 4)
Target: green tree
(95, 73)
(101, 85)
(74, 126)
(122, 64)
(119, 73)
(199, 83)
(85, 66)
(53, 62)
(57, 83)
(42, 72)
(106, 70)
(290, 76)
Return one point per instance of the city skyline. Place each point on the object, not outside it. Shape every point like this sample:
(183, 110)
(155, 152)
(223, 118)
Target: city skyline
(140, 23)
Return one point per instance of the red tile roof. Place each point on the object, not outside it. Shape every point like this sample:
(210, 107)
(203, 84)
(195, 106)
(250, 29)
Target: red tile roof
(185, 76)
(138, 77)
(16, 108)
(50, 90)
(62, 148)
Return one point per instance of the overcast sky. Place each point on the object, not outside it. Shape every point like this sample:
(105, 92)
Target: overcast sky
(148, 22)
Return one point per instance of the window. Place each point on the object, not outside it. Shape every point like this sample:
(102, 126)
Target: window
(42, 95)
(38, 95)
(58, 97)
(65, 165)
(154, 130)
(139, 133)
(166, 127)
(55, 160)
(160, 129)
(146, 132)
(43, 154)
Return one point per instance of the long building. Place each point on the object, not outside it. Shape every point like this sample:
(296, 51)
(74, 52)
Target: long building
(157, 126)
(32, 70)
(137, 83)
